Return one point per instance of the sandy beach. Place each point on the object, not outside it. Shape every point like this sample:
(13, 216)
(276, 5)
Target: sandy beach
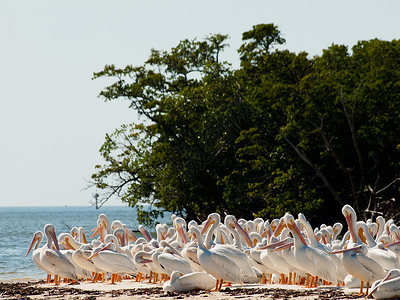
(129, 289)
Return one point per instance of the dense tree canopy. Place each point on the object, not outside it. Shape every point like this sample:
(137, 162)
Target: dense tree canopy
(284, 132)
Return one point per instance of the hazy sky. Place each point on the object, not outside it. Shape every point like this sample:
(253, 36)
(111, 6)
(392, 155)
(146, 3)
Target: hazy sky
(51, 122)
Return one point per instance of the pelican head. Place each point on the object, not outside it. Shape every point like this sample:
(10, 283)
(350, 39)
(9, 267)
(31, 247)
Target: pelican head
(350, 216)
(291, 224)
(212, 218)
(50, 233)
(230, 221)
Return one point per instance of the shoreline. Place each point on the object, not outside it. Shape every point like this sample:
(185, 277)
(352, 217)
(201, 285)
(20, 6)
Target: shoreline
(129, 289)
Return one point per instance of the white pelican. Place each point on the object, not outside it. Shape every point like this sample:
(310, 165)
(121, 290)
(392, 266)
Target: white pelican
(388, 287)
(143, 263)
(310, 259)
(106, 258)
(103, 227)
(341, 271)
(218, 265)
(36, 241)
(355, 259)
(52, 260)
(234, 253)
(188, 282)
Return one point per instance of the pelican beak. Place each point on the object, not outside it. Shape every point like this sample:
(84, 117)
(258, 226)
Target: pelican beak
(95, 231)
(397, 235)
(345, 250)
(279, 228)
(84, 238)
(244, 233)
(147, 235)
(54, 238)
(272, 245)
(132, 237)
(264, 233)
(361, 235)
(68, 244)
(95, 252)
(208, 224)
(350, 226)
(283, 247)
(391, 244)
(35, 238)
(98, 250)
(181, 233)
(293, 227)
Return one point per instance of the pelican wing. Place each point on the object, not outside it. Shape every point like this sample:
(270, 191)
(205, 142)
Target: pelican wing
(174, 263)
(119, 260)
(220, 266)
(322, 263)
(65, 268)
(240, 258)
(374, 269)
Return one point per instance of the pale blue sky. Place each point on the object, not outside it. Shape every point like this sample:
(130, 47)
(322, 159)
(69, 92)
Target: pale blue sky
(51, 121)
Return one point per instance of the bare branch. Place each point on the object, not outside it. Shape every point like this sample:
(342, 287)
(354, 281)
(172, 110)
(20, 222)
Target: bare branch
(390, 184)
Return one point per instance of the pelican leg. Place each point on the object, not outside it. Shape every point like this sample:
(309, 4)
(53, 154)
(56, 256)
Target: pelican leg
(155, 278)
(151, 276)
(361, 288)
(308, 279)
(311, 282)
(316, 281)
(56, 280)
(220, 284)
(270, 278)
(263, 278)
(48, 278)
(290, 277)
(366, 293)
(216, 285)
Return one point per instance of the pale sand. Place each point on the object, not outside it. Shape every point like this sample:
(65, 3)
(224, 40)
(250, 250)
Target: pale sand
(129, 289)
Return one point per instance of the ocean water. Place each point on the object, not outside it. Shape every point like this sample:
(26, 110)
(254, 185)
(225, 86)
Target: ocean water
(18, 224)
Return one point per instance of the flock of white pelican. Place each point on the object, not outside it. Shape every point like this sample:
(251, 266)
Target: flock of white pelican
(187, 256)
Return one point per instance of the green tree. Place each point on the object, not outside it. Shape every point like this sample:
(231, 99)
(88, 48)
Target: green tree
(284, 132)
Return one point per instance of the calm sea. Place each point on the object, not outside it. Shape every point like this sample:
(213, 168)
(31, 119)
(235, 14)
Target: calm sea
(18, 224)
